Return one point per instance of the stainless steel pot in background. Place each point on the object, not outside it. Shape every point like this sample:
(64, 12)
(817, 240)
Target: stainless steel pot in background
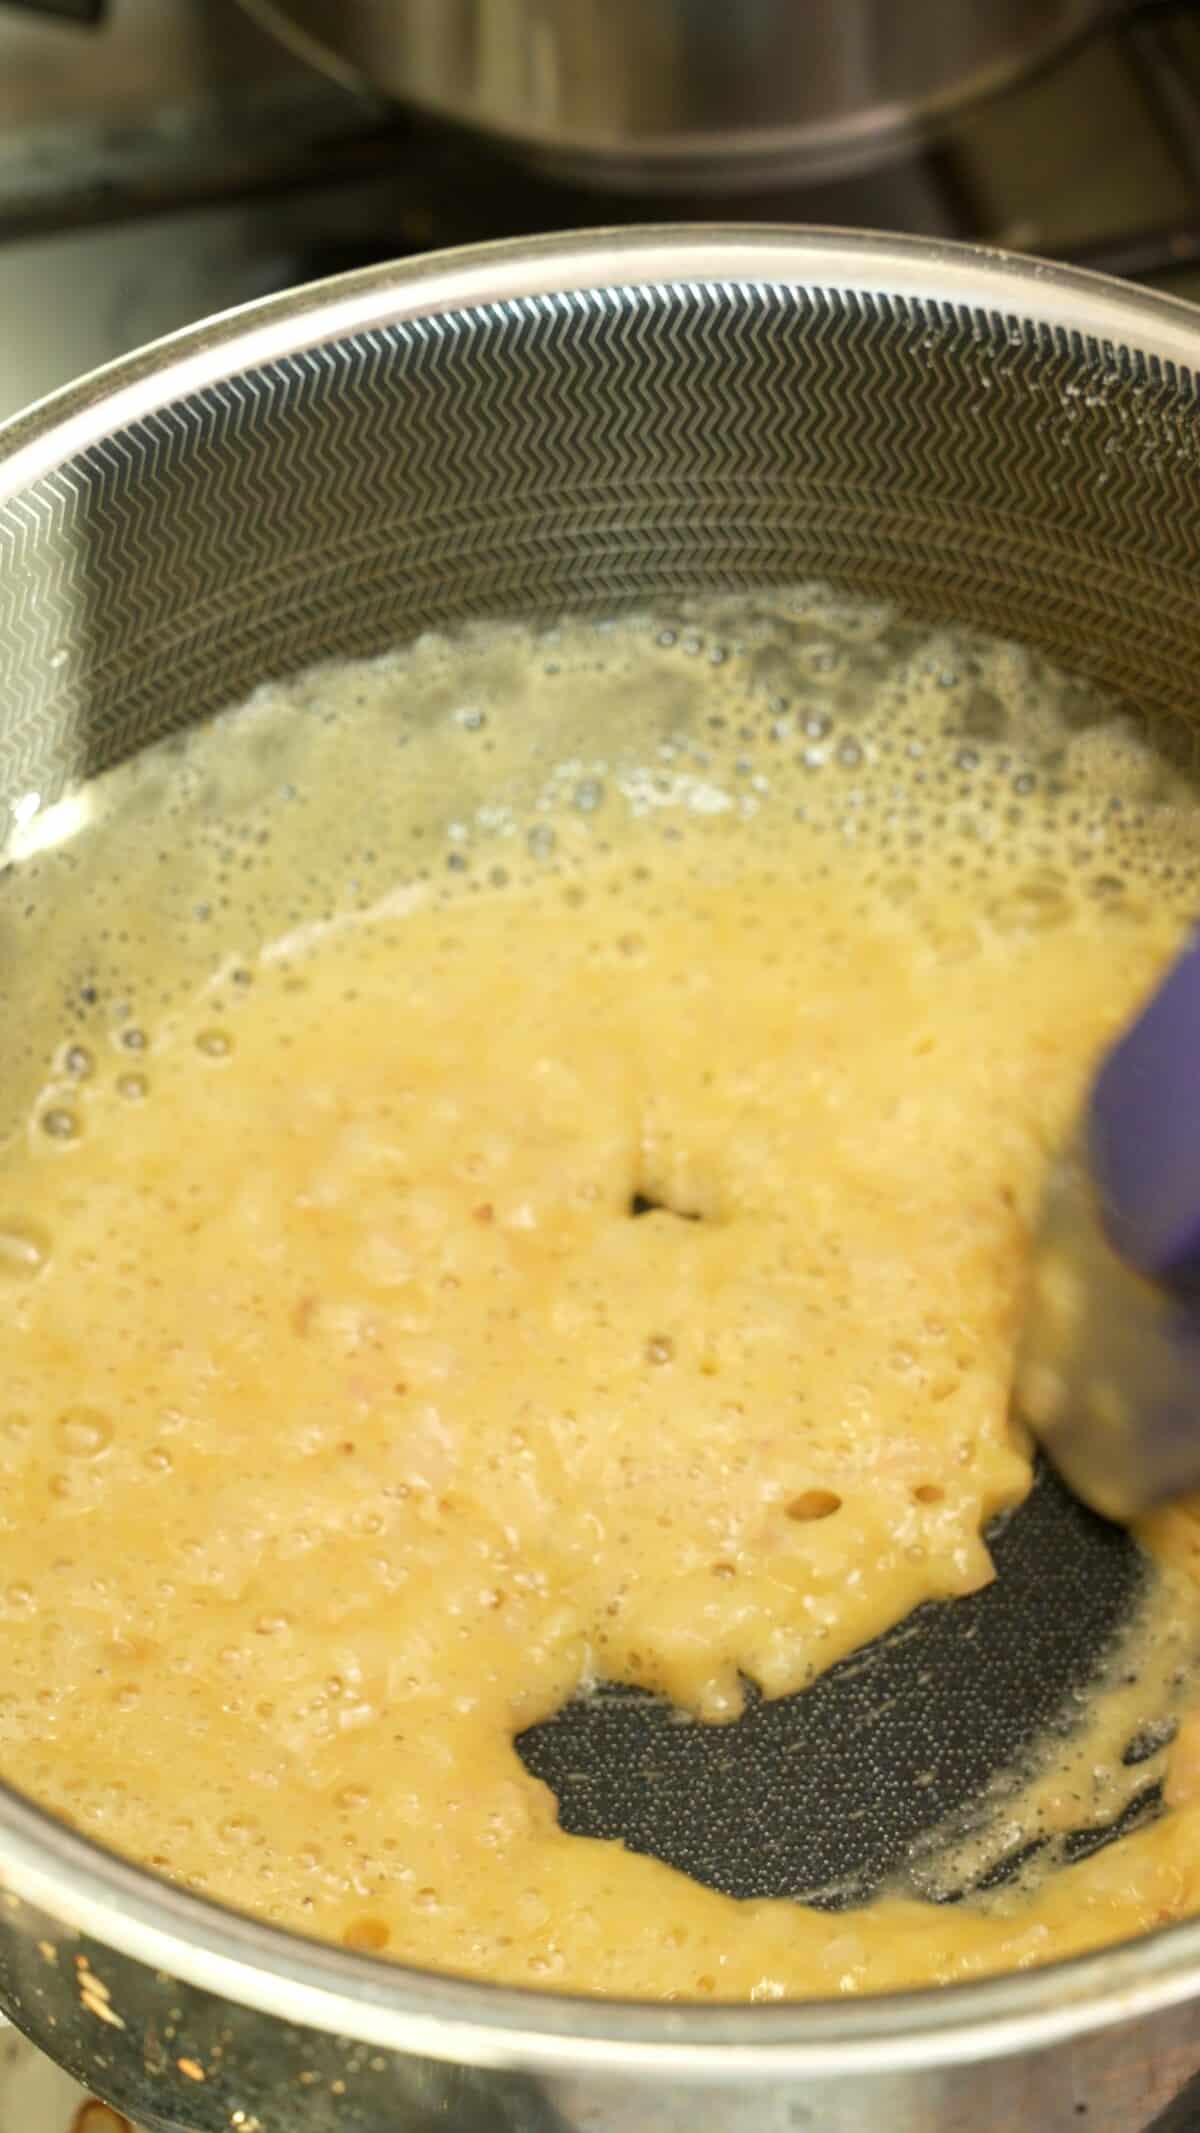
(677, 94)
(519, 428)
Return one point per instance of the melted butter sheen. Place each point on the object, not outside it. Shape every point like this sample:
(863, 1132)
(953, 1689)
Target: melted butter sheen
(354, 1422)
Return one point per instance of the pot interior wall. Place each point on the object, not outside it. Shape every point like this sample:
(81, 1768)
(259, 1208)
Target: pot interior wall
(585, 449)
(590, 449)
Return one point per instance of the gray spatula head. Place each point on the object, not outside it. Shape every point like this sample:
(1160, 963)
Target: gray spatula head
(1109, 1370)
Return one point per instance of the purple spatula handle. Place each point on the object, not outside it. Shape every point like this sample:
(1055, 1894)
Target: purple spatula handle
(1143, 1132)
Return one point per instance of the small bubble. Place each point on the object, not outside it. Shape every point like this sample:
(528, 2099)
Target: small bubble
(588, 795)
(24, 1250)
(60, 1124)
(133, 1039)
(78, 1062)
(817, 725)
(214, 1043)
(133, 1087)
(849, 754)
(83, 1432)
(813, 1504)
(470, 718)
(660, 1348)
(666, 638)
(541, 841)
(272, 1625)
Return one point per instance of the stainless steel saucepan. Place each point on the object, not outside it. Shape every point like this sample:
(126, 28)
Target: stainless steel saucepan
(576, 421)
(681, 94)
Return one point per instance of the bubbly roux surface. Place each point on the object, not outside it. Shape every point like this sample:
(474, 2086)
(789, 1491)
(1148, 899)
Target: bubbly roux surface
(349, 1419)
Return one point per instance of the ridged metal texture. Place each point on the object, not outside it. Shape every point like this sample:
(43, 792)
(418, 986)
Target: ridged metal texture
(594, 447)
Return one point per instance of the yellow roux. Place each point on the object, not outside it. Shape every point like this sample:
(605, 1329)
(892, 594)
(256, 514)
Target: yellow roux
(349, 1423)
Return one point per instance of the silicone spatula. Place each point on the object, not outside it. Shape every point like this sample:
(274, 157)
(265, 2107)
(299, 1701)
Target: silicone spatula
(1108, 1372)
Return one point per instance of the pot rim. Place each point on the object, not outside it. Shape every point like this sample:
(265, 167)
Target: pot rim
(91, 1891)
